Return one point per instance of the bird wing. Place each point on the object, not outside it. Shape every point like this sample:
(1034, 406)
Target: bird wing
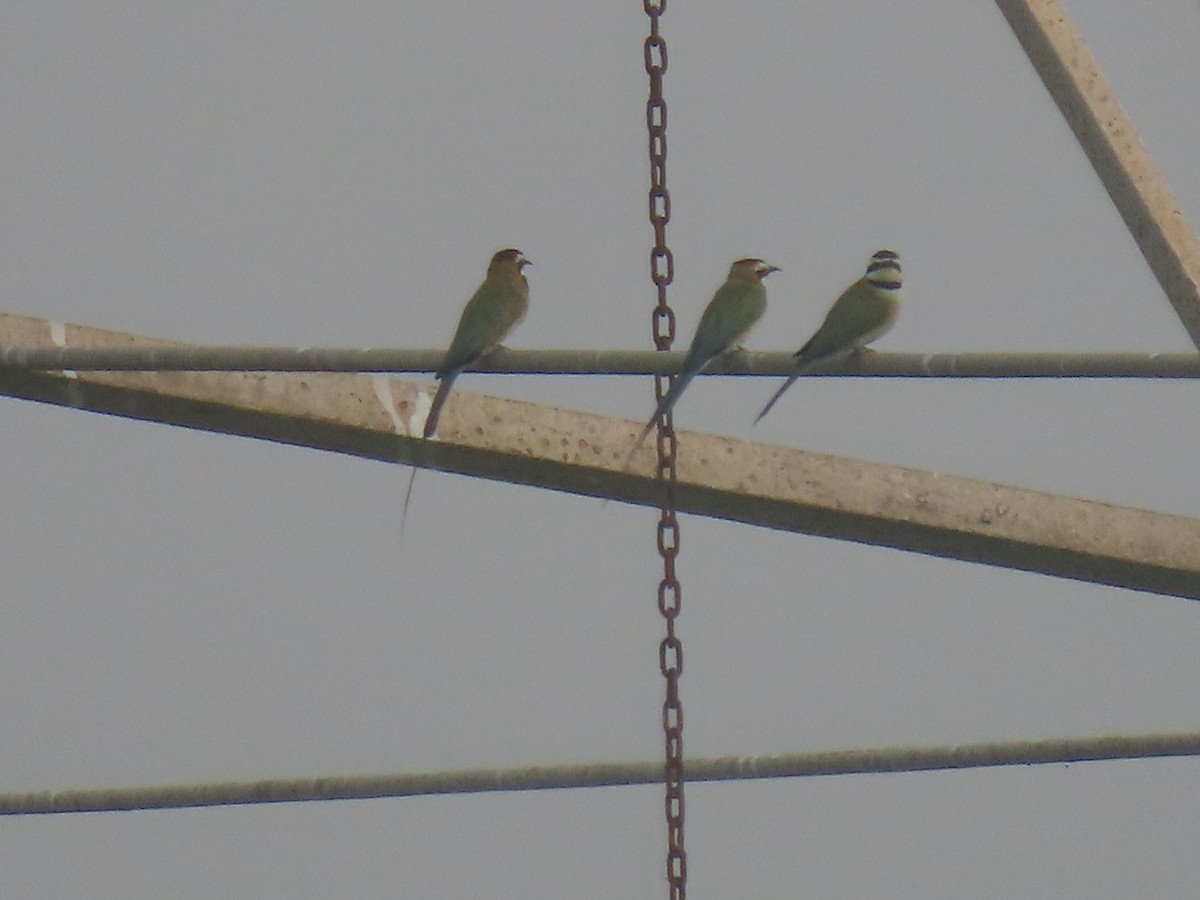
(729, 316)
(856, 318)
(488, 316)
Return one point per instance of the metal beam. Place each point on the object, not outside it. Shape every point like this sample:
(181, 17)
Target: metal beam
(597, 362)
(526, 443)
(1136, 186)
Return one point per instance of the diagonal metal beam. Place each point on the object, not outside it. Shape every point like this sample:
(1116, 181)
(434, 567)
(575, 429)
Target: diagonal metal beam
(1136, 186)
(582, 453)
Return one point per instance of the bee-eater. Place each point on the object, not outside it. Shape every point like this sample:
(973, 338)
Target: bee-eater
(495, 309)
(734, 309)
(866, 310)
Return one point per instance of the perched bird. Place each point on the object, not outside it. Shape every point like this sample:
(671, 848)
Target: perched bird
(495, 309)
(866, 310)
(734, 309)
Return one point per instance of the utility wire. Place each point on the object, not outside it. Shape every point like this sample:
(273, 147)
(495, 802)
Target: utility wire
(596, 362)
(727, 768)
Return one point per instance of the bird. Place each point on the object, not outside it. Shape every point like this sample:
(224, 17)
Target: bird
(496, 308)
(734, 309)
(864, 312)
(493, 311)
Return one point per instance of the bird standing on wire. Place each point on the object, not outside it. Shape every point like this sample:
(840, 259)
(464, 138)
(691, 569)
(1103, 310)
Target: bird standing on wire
(734, 309)
(495, 309)
(863, 312)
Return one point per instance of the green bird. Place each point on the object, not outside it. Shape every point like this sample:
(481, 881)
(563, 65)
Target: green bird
(734, 309)
(866, 310)
(495, 309)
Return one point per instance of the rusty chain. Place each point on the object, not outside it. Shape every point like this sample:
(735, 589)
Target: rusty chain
(662, 271)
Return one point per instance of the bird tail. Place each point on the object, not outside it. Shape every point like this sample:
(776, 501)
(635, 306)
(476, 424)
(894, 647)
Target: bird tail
(439, 399)
(665, 405)
(779, 393)
(407, 498)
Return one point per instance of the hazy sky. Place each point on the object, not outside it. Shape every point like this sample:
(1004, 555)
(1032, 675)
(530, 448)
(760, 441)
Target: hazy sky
(181, 606)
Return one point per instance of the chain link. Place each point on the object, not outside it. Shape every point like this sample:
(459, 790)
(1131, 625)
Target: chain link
(662, 325)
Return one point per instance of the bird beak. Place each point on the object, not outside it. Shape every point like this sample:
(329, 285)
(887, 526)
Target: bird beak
(522, 262)
(766, 270)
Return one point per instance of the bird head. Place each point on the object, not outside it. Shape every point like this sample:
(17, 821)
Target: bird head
(884, 269)
(752, 269)
(509, 258)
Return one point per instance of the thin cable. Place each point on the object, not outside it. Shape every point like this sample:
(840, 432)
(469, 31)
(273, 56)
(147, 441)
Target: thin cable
(587, 775)
(774, 363)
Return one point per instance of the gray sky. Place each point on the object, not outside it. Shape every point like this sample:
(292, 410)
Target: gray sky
(181, 606)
